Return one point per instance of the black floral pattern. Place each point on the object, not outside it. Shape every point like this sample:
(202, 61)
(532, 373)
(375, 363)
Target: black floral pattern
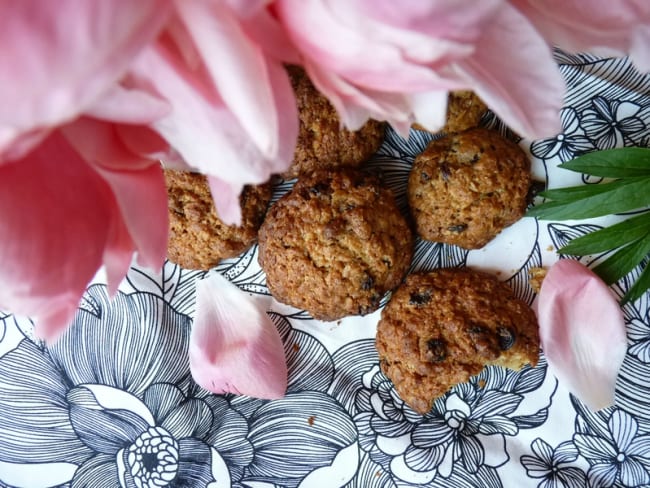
(553, 466)
(113, 404)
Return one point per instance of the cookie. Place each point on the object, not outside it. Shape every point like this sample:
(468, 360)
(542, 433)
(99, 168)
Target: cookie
(465, 188)
(464, 111)
(335, 244)
(198, 239)
(442, 327)
(322, 141)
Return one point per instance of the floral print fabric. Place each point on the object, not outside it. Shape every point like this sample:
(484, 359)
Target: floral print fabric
(113, 403)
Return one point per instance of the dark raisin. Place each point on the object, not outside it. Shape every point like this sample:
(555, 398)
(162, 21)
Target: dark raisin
(319, 189)
(367, 283)
(475, 159)
(445, 172)
(424, 177)
(375, 299)
(436, 350)
(457, 228)
(420, 298)
(536, 187)
(506, 337)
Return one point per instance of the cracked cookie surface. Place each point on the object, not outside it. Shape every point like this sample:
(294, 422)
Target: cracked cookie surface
(335, 244)
(442, 327)
(322, 141)
(198, 239)
(465, 188)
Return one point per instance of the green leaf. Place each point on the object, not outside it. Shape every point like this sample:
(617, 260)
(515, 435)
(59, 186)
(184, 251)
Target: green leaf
(602, 199)
(613, 163)
(611, 237)
(580, 192)
(623, 261)
(639, 288)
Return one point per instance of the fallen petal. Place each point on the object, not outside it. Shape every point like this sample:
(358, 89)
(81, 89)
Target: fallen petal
(234, 345)
(582, 331)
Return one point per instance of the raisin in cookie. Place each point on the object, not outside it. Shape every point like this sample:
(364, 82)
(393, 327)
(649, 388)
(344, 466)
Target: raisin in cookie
(467, 187)
(198, 239)
(322, 142)
(335, 244)
(441, 327)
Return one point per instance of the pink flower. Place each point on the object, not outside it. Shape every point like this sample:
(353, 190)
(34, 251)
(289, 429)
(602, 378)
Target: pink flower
(582, 331)
(59, 59)
(233, 114)
(93, 95)
(604, 27)
(396, 61)
(62, 218)
(234, 345)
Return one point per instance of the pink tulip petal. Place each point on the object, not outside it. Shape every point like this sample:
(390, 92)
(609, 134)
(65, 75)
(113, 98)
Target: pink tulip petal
(226, 200)
(58, 58)
(267, 32)
(55, 214)
(606, 28)
(128, 106)
(202, 129)
(237, 68)
(356, 105)
(143, 141)
(234, 345)
(430, 109)
(582, 331)
(118, 255)
(142, 201)
(383, 45)
(247, 8)
(14, 146)
(527, 95)
(137, 184)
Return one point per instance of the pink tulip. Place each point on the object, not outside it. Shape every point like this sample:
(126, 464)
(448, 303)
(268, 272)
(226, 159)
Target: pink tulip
(582, 331)
(396, 61)
(233, 114)
(62, 218)
(60, 58)
(234, 345)
(605, 27)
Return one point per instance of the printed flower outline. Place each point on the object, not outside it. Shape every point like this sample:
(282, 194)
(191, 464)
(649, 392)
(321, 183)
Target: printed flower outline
(465, 431)
(639, 338)
(566, 145)
(620, 454)
(113, 401)
(554, 466)
(612, 123)
(459, 427)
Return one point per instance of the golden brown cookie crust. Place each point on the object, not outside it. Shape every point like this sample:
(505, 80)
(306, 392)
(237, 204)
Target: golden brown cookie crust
(335, 244)
(322, 142)
(467, 187)
(442, 327)
(198, 239)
